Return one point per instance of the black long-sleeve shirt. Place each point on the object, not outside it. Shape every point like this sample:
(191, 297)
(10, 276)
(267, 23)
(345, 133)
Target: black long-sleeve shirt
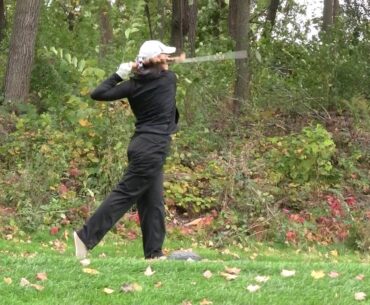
(151, 97)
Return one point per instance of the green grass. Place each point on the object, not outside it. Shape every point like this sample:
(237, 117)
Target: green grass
(181, 281)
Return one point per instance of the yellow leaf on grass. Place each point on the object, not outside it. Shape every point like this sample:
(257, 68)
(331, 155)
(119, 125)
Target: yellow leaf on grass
(108, 290)
(360, 277)
(205, 302)
(8, 280)
(90, 271)
(149, 271)
(131, 287)
(317, 274)
(287, 273)
(85, 262)
(228, 276)
(232, 270)
(253, 288)
(334, 253)
(37, 287)
(261, 278)
(66, 235)
(24, 282)
(158, 285)
(84, 122)
(207, 274)
(360, 296)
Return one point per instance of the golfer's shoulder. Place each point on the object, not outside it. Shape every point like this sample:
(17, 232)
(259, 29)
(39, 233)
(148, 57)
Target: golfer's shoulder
(169, 75)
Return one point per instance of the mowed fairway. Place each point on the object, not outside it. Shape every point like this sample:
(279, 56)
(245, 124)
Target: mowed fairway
(319, 277)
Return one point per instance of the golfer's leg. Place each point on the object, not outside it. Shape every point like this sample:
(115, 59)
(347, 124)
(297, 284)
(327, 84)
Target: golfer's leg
(118, 202)
(152, 217)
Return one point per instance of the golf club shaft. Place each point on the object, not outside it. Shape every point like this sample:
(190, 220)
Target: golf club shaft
(216, 57)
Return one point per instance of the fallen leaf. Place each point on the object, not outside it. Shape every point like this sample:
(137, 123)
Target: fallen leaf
(360, 296)
(186, 303)
(207, 274)
(195, 222)
(149, 271)
(59, 246)
(54, 230)
(24, 282)
(228, 252)
(108, 290)
(287, 273)
(333, 274)
(360, 277)
(158, 285)
(228, 276)
(90, 271)
(41, 276)
(232, 270)
(85, 262)
(334, 253)
(317, 274)
(8, 280)
(131, 235)
(84, 122)
(205, 302)
(261, 278)
(131, 287)
(102, 255)
(66, 235)
(37, 287)
(253, 288)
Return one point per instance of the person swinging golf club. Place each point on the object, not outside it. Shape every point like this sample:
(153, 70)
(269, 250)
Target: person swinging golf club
(151, 94)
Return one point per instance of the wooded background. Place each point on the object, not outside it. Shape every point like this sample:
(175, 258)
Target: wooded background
(283, 132)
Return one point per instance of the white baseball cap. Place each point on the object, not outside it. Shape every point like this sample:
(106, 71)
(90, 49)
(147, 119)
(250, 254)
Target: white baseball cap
(152, 48)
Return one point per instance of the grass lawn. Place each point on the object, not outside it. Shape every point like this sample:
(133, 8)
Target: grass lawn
(177, 282)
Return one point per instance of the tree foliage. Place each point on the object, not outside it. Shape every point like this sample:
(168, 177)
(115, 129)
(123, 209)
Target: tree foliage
(279, 131)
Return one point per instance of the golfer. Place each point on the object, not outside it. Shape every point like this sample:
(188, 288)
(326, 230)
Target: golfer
(151, 91)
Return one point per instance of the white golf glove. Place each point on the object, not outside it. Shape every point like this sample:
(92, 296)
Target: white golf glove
(124, 70)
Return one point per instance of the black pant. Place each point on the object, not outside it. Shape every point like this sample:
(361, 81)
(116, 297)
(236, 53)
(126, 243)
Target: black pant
(142, 183)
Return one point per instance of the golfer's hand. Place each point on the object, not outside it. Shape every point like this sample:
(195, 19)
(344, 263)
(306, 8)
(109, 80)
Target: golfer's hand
(124, 70)
(160, 59)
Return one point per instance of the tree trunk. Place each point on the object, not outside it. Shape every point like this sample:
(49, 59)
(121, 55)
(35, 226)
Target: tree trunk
(336, 8)
(179, 23)
(21, 51)
(232, 18)
(241, 90)
(193, 12)
(147, 13)
(327, 19)
(2, 20)
(161, 14)
(106, 31)
(271, 16)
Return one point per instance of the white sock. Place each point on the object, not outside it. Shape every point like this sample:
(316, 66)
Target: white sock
(81, 250)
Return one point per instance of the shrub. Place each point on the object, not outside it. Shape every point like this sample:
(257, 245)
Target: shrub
(302, 158)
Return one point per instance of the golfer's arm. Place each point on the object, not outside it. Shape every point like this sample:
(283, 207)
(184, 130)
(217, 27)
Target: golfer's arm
(108, 90)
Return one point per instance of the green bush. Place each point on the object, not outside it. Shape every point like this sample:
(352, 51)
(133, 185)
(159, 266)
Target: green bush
(302, 158)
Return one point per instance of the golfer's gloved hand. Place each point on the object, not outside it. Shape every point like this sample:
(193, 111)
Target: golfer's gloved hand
(124, 70)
